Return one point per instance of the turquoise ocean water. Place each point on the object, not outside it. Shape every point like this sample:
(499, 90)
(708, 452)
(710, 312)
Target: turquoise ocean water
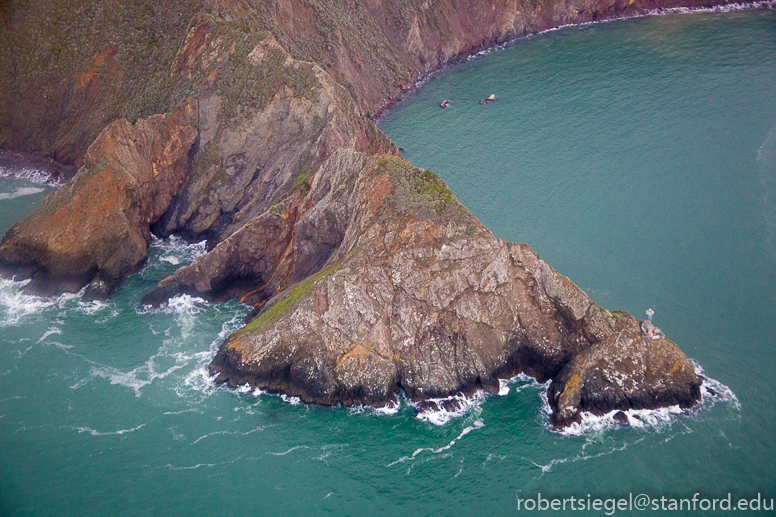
(637, 157)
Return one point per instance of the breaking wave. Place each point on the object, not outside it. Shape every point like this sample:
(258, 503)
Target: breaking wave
(713, 392)
(30, 174)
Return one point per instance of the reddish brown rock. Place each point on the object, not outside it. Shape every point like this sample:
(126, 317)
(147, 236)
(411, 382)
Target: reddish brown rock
(95, 230)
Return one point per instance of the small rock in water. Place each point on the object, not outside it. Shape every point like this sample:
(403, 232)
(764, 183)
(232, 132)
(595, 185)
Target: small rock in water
(621, 417)
(450, 405)
(428, 405)
(712, 392)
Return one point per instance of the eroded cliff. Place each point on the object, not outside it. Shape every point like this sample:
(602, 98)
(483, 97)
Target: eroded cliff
(246, 122)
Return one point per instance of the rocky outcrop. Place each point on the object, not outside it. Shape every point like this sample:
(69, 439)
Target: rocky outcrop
(95, 230)
(246, 122)
(267, 122)
(290, 241)
(627, 370)
(248, 140)
(421, 297)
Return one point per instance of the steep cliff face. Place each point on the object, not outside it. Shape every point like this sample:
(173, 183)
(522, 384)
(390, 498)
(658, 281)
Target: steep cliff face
(421, 297)
(71, 67)
(249, 138)
(246, 122)
(95, 230)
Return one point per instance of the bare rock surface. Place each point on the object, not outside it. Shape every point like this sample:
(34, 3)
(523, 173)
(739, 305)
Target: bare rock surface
(246, 123)
(95, 230)
(421, 297)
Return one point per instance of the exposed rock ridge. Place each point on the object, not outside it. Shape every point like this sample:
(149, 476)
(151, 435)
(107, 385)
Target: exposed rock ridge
(96, 229)
(421, 297)
(366, 275)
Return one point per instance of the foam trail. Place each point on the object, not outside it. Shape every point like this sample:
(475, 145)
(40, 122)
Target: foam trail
(21, 192)
(50, 332)
(254, 430)
(289, 450)
(109, 433)
(478, 424)
(584, 456)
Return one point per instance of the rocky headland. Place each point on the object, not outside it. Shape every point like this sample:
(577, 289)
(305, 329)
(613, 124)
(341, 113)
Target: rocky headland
(248, 123)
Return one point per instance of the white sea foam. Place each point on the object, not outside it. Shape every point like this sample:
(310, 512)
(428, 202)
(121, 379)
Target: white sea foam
(522, 380)
(463, 404)
(15, 304)
(182, 411)
(477, 424)
(30, 174)
(200, 379)
(257, 429)
(184, 308)
(175, 250)
(107, 433)
(292, 449)
(185, 305)
(294, 401)
(655, 419)
(723, 393)
(20, 192)
(441, 415)
(391, 408)
(50, 332)
(584, 455)
(160, 365)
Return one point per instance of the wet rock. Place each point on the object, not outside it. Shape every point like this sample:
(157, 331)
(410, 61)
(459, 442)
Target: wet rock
(96, 228)
(624, 371)
(621, 417)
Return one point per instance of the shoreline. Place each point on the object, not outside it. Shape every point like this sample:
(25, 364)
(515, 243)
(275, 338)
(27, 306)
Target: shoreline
(755, 5)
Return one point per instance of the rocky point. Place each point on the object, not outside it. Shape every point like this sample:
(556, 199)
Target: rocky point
(248, 123)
